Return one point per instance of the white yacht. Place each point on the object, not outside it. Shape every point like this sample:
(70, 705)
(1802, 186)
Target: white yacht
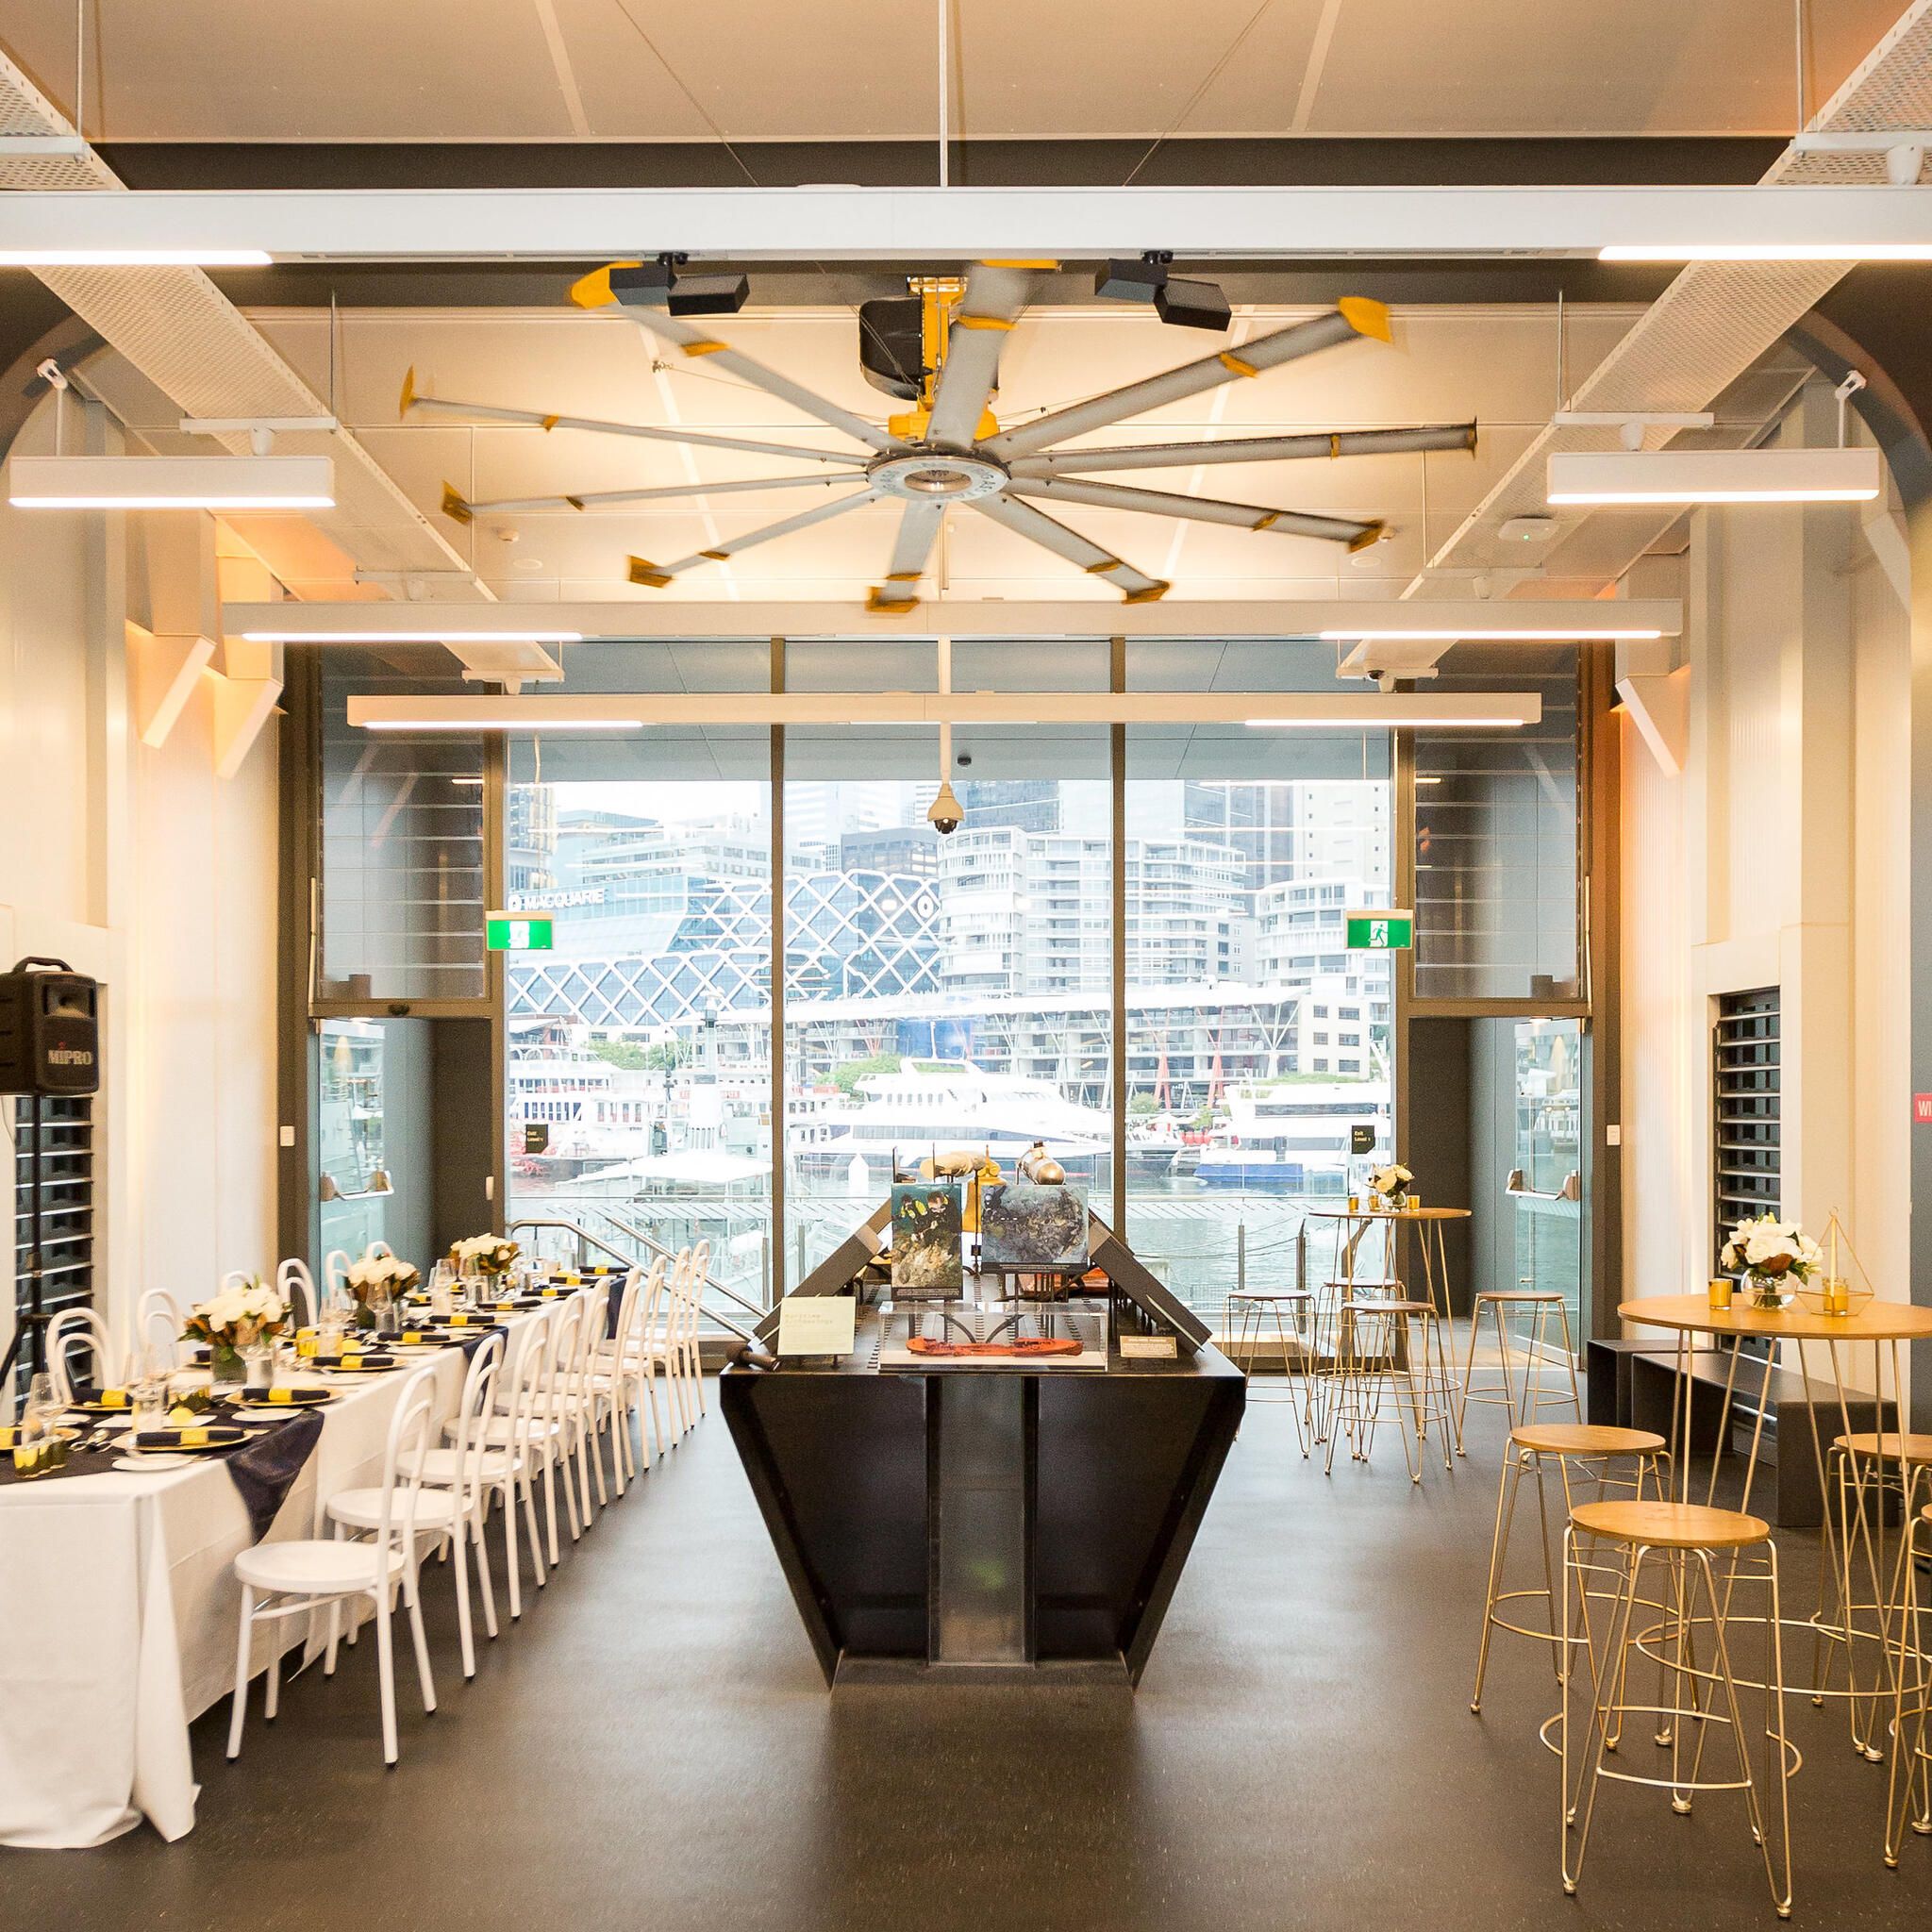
(1291, 1137)
(947, 1104)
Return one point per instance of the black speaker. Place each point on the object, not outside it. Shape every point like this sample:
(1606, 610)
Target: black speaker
(50, 1030)
(892, 344)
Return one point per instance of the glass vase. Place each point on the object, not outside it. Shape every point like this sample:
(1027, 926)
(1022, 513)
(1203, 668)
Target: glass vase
(225, 1365)
(259, 1369)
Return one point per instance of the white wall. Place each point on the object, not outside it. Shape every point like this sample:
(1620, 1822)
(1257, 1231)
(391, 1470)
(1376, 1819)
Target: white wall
(139, 865)
(1779, 856)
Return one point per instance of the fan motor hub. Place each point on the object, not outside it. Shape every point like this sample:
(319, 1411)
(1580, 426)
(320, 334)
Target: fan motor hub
(937, 475)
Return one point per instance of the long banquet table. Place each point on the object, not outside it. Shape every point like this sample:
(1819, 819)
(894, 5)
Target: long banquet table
(118, 1607)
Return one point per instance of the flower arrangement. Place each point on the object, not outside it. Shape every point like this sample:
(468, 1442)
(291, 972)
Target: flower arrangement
(1768, 1252)
(484, 1253)
(1391, 1180)
(379, 1277)
(249, 1315)
(238, 1318)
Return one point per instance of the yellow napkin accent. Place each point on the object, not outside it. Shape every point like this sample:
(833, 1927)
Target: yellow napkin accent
(194, 1439)
(111, 1398)
(416, 1335)
(458, 1320)
(8, 1437)
(351, 1362)
(277, 1395)
(549, 1294)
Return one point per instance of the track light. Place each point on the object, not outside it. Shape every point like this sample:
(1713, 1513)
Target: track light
(658, 284)
(1183, 304)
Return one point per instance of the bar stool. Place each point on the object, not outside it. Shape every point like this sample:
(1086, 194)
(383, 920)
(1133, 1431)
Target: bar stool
(1567, 1442)
(1255, 1309)
(1702, 1694)
(1544, 1301)
(1908, 1793)
(1389, 1349)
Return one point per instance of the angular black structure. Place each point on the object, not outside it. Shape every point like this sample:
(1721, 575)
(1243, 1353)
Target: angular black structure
(1004, 1522)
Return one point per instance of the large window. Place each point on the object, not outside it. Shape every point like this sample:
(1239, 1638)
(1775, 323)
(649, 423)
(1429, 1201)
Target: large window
(1259, 1044)
(943, 992)
(638, 1070)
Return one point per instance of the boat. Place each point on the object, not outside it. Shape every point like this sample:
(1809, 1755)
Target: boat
(946, 1104)
(1291, 1137)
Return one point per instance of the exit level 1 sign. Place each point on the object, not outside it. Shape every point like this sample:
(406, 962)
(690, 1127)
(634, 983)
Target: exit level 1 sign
(1380, 930)
(515, 932)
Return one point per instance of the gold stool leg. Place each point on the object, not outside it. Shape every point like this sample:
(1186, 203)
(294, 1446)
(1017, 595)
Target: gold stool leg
(1510, 1476)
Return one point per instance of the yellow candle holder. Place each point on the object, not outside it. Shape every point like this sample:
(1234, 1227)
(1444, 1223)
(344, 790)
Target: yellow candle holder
(1722, 1290)
(1355, 1204)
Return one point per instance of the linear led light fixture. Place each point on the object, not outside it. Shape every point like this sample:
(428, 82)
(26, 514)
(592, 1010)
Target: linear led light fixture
(136, 258)
(172, 483)
(1715, 476)
(1767, 250)
(1314, 710)
(1487, 630)
(415, 635)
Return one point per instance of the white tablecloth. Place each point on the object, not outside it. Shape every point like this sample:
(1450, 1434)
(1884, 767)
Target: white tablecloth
(118, 1609)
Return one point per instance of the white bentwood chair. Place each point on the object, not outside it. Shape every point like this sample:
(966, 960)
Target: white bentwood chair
(694, 1365)
(74, 1328)
(615, 1387)
(297, 1287)
(334, 1275)
(509, 1446)
(158, 1320)
(296, 1578)
(450, 1512)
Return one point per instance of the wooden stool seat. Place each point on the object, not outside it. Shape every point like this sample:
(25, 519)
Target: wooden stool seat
(1671, 1525)
(1585, 1438)
(1364, 1281)
(1376, 1306)
(1270, 1295)
(1917, 1448)
(1519, 1294)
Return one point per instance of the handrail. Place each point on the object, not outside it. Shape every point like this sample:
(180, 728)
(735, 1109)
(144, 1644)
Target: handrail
(584, 1234)
(657, 1247)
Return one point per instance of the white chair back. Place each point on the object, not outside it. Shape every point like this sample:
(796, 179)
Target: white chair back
(74, 1328)
(623, 1338)
(410, 1430)
(530, 1377)
(158, 1321)
(475, 1411)
(335, 1274)
(566, 1348)
(297, 1287)
(378, 1251)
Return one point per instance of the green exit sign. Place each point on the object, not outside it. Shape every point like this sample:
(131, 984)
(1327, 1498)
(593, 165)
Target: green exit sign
(517, 932)
(1380, 931)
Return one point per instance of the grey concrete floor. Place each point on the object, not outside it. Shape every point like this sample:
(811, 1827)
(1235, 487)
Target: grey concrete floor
(652, 1747)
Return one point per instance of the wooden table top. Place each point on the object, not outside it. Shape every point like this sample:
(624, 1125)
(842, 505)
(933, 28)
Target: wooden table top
(1390, 1213)
(1877, 1320)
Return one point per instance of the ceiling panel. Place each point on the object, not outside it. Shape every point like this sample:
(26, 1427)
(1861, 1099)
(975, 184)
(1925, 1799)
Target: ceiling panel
(364, 69)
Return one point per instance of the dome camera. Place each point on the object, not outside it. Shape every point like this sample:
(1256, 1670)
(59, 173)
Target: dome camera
(945, 812)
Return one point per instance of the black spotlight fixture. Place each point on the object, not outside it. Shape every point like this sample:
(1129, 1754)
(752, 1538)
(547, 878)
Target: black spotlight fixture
(658, 284)
(1185, 304)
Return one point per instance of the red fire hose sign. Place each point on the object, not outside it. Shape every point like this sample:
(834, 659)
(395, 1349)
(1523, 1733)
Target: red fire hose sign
(1922, 1110)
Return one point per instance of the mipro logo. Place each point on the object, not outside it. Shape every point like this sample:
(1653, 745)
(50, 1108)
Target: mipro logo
(70, 1056)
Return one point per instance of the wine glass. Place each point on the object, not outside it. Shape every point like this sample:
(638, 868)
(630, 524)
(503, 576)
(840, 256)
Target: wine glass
(44, 1405)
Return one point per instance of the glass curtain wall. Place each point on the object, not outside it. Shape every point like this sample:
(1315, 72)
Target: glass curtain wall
(942, 993)
(1258, 1043)
(638, 1073)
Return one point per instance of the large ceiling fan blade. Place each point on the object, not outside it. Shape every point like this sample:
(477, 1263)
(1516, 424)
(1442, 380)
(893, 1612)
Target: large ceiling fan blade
(919, 528)
(537, 418)
(642, 571)
(1351, 317)
(996, 294)
(1250, 449)
(1355, 532)
(454, 506)
(696, 342)
(1135, 586)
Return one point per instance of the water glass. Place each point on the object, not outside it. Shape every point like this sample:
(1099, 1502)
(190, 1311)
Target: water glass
(149, 1397)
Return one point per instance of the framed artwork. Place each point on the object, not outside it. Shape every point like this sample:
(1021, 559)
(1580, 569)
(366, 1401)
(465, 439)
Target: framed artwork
(927, 1222)
(1024, 1228)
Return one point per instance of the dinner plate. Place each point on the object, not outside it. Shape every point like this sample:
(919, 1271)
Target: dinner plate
(323, 1368)
(100, 1408)
(299, 1398)
(142, 1461)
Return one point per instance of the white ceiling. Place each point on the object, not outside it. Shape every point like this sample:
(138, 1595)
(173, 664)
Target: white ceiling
(526, 70)
(1446, 364)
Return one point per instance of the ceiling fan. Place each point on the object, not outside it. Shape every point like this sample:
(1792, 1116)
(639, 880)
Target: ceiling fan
(949, 449)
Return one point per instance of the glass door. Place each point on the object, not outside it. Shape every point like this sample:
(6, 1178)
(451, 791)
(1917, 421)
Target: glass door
(353, 1183)
(1545, 1178)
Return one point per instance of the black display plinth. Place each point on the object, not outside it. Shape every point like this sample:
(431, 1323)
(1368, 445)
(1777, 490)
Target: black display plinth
(987, 1524)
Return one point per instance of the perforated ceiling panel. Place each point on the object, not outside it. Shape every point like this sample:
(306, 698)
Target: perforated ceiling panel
(1700, 336)
(180, 331)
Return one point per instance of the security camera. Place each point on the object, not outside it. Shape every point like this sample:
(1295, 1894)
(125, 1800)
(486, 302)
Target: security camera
(945, 812)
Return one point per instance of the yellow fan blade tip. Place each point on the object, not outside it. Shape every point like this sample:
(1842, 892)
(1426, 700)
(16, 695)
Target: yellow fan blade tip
(988, 427)
(407, 399)
(642, 571)
(882, 603)
(1366, 538)
(454, 506)
(1152, 594)
(593, 290)
(903, 576)
(1038, 261)
(1366, 316)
